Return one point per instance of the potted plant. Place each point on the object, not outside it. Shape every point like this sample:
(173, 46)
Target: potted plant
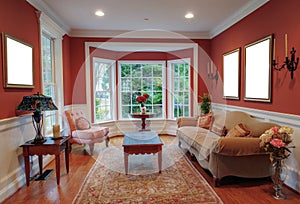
(205, 105)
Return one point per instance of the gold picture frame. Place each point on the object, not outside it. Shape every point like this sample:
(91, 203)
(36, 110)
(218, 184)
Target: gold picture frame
(17, 63)
(231, 74)
(258, 60)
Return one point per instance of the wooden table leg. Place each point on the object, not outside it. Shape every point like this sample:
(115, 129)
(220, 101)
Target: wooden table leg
(41, 163)
(159, 161)
(57, 164)
(67, 156)
(126, 162)
(27, 169)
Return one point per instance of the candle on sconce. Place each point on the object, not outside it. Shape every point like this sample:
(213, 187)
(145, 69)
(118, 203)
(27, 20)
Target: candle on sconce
(274, 48)
(212, 68)
(286, 45)
(56, 131)
(208, 69)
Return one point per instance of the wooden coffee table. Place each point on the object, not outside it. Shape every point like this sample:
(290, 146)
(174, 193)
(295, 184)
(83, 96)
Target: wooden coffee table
(142, 143)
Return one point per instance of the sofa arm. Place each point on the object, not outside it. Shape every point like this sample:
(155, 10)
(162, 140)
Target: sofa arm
(238, 146)
(187, 121)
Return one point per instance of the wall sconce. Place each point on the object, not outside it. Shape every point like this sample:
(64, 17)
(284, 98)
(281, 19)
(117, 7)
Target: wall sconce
(290, 64)
(210, 72)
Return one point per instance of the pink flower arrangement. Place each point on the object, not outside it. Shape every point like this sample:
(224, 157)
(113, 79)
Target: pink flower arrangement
(277, 143)
(276, 140)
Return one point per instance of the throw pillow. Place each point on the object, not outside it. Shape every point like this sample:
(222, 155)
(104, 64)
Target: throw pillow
(218, 129)
(204, 121)
(82, 124)
(240, 130)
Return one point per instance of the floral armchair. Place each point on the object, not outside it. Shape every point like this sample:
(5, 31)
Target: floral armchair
(82, 132)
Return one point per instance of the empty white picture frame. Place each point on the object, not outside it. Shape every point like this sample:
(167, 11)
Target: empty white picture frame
(258, 70)
(231, 74)
(17, 63)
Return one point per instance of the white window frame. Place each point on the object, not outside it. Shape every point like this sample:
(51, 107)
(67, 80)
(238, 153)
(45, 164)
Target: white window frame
(163, 83)
(171, 84)
(50, 28)
(113, 102)
(142, 47)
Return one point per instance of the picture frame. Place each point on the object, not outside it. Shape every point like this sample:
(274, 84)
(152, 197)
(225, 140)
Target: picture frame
(17, 62)
(231, 74)
(258, 56)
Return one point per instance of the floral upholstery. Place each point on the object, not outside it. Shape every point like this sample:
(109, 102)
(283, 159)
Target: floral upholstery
(84, 133)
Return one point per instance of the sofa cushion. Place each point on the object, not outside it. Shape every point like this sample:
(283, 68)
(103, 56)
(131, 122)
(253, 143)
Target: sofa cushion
(240, 130)
(204, 121)
(238, 146)
(218, 129)
(201, 139)
(187, 121)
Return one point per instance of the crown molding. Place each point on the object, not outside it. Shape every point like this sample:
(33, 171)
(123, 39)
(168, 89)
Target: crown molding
(149, 33)
(44, 8)
(234, 18)
(237, 16)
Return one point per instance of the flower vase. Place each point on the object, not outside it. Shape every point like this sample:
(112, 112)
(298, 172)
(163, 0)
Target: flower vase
(278, 177)
(143, 109)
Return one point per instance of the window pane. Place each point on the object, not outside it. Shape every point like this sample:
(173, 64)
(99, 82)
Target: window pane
(136, 72)
(157, 70)
(102, 91)
(136, 84)
(137, 81)
(181, 89)
(49, 84)
(126, 98)
(125, 70)
(147, 70)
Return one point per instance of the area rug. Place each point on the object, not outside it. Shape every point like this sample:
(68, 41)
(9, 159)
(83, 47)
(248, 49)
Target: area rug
(179, 181)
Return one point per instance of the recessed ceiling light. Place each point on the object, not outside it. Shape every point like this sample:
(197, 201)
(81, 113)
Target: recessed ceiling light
(189, 15)
(99, 13)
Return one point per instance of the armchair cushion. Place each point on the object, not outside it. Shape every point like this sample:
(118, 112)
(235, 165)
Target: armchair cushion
(82, 123)
(92, 133)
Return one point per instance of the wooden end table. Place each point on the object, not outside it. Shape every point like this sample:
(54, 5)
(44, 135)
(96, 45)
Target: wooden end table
(142, 143)
(143, 118)
(50, 146)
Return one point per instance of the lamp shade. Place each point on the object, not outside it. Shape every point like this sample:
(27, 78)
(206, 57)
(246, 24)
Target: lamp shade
(37, 102)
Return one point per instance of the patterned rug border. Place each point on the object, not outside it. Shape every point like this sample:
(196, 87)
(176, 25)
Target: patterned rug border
(84, 185)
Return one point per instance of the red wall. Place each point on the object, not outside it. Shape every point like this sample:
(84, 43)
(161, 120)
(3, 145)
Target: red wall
(67, 70)
(18, 18)
(278, 17)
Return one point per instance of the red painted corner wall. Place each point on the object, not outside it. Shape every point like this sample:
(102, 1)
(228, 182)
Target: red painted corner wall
(275, 17)
(18, 18)
(67, 70)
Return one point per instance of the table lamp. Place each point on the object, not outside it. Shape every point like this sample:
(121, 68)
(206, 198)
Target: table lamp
(37, 103)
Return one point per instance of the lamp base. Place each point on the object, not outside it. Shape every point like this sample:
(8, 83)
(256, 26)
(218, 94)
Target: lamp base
(39, 140)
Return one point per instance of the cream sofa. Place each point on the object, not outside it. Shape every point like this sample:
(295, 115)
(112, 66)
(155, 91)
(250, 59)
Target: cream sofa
(226, 156)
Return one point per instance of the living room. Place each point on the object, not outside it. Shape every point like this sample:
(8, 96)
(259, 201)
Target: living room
(205, 55)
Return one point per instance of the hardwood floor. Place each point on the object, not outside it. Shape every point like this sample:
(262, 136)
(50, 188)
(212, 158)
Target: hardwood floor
(232, 189)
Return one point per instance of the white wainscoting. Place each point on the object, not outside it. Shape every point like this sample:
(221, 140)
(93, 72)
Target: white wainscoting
(293, 162)
(13, 133)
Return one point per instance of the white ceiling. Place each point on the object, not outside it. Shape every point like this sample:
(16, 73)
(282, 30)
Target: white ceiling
(211, 16)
